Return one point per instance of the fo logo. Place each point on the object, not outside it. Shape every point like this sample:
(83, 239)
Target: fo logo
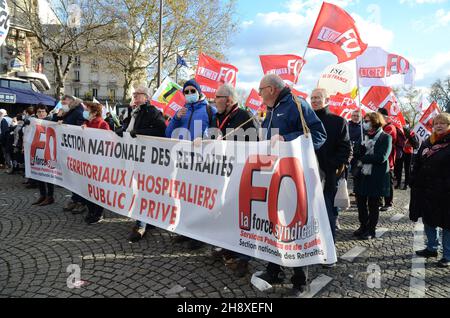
(286, 168)
(45, 140)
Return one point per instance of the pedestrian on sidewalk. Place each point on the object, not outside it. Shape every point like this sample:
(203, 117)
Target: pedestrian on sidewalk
(94, 119)
(430, 189)
(372, 182)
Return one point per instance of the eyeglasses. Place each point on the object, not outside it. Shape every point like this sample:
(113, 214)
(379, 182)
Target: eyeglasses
(261, 88)
(190, 91)
(217, 97)
(367, 121)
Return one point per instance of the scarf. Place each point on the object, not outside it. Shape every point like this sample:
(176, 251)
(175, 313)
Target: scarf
(436, 138)
(370, 148)
(133, 118)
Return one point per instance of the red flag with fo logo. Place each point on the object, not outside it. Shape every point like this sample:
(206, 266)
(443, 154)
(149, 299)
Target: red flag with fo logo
(254, 102)
(212, 73)
(335, 31)
(288, 67)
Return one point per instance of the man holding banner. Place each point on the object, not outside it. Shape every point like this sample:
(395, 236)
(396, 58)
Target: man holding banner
(189, 123)
(145, 120)
(288, 115)
(232, 123)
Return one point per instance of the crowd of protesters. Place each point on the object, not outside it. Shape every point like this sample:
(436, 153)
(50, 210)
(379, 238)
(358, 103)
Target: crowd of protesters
(372, 151)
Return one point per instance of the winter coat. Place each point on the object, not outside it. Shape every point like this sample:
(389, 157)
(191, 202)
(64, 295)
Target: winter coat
(149, 121)
(336, 150)
(235, 118)
(354, 131)
(378, 183)
(286, 118)
(196, 113)
(98, 123)
(430, 184)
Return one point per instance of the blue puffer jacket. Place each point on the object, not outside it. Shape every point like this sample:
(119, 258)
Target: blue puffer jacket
(286, 117)
(196, 112)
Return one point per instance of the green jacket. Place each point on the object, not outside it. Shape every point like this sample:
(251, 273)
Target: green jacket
(378, 183)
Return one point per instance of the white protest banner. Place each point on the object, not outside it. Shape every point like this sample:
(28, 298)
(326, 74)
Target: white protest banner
(4, 21)
(376, 67)
(234, 195)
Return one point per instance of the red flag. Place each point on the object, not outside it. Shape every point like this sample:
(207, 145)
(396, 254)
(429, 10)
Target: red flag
(212, 73)
(288, 67)
(383, 97)
(335, 31)
(176, 103)
(298, 93)
(428, 116)
(254, 102)
(343, 105)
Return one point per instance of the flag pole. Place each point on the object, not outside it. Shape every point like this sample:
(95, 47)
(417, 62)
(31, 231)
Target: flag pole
(359, 99)
(176, 69)
(160, 40)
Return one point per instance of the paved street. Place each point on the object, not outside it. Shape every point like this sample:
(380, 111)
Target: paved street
(38, 244)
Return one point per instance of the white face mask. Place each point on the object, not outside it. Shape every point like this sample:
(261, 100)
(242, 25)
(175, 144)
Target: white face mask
(367, 126)
(192, 98)
(65, 108)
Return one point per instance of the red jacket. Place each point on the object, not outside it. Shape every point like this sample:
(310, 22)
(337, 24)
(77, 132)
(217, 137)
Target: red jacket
(98, 123)
(392, 131)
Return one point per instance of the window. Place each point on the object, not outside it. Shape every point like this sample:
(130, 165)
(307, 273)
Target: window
(95, 92)
(4, 83)
(112, 94)
(77, 76)
(77, 61)
(20, 85)
(76, 92)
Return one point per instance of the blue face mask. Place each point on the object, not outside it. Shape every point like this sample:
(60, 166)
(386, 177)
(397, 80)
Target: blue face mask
(86, 115)
(192, 98)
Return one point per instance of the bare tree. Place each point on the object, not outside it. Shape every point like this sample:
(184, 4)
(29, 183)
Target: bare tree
(189, 27)
(72, 30)
(409, 102)
(440, 92)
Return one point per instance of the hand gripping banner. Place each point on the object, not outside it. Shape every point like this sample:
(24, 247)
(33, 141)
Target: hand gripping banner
(237, 195)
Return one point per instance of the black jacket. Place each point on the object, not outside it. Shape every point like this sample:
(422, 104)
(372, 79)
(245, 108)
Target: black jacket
(237, 117)
(149, 121)
(337, 148)
(430, 184)
(354, 131)
(73, 117)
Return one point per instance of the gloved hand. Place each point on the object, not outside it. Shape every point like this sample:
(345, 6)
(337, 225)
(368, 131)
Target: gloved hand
(133, 134)
(119, 132)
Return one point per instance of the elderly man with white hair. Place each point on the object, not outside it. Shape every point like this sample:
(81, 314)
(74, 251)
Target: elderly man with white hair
(146, 120)
(230, 116)
(283, 114)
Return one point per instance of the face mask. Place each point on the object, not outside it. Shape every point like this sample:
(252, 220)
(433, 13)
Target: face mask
(65, 108)
(367, 126)
(192, 98)
(86, 115)
(407, 127)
